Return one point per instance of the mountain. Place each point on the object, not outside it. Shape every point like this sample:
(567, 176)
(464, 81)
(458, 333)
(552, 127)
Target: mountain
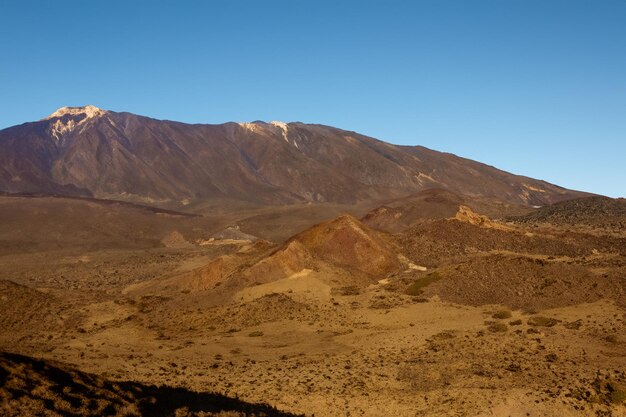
(87, 151)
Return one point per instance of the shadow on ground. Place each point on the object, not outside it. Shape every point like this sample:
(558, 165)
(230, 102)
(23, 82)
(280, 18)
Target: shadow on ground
(33, 387)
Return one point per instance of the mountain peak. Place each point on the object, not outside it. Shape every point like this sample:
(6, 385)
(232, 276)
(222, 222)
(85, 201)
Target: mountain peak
(89, 111)
(59, 127)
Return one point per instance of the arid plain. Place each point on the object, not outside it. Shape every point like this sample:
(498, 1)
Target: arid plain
(419, 306)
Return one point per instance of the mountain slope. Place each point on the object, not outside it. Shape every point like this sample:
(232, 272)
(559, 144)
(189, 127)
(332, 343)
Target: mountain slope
(91, 152)
(600, 212)
(435, 203)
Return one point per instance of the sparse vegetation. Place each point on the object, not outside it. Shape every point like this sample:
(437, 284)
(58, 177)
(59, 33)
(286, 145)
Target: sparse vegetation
(618, 396)
(605, 392)
(541, 321)
(444, 335)
(502, 314)
(349, 290)
(256, 333)
(513, 367)
(498, 327)
(552, 357)
(574, 325)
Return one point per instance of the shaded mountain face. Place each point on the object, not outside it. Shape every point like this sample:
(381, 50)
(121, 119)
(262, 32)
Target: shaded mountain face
(103, 154)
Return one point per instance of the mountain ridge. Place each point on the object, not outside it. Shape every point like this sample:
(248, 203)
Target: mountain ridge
(99, 153)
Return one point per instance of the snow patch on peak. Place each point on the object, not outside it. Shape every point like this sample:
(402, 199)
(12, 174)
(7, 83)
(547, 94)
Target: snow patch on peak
(254, 126)
(283, 127)
(89, 111)
(274, 125)
(250, 126)
(58, 128)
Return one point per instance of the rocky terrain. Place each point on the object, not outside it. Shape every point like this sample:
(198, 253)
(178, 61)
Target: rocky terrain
(463, 306)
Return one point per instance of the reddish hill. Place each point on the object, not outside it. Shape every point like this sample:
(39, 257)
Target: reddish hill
(348, 243)
(341, 247)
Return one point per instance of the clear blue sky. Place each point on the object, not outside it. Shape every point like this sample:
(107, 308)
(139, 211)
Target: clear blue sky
(535, 87)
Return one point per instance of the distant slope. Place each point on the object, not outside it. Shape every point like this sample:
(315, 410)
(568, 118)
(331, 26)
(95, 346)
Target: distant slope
(433, 204)
(91, 152)
(601, 212)
(37, 223)
(30, 387)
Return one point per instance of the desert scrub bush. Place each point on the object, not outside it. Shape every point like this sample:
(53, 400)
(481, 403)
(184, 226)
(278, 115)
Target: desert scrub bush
(385, 302)
(256, 333)
(617, 397)
(574, 325)
(349, 290)
(444, 335)
(603, 391)
(517, 322)
(502, 314)
(497, 327)
(541, 321)
(416, 288)
(552, 357)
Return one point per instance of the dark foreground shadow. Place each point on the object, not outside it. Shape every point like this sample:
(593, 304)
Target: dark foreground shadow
(29, 386)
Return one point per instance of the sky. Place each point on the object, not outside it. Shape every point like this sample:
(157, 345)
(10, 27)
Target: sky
(534, 87)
